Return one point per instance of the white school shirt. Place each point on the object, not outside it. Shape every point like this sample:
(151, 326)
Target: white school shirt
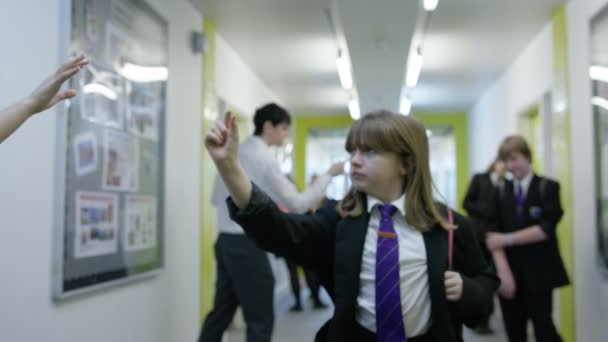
(263, 169)
(413, 276)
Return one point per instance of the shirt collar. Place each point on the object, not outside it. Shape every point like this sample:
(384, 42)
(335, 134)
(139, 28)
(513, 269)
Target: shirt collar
(399, 203)
(525, 182)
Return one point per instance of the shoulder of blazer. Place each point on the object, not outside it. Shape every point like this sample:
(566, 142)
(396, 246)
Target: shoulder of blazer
(543, 183)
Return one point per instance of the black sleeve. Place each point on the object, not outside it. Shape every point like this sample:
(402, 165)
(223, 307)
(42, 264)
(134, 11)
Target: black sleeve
(494, 222)
(551, 208)
(306, 239)
(474, 202)
(479, 278)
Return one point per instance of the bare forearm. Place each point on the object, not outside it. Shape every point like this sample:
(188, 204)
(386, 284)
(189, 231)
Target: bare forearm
(528, 235)
(237, 182)
(500, 260)
(13, 117)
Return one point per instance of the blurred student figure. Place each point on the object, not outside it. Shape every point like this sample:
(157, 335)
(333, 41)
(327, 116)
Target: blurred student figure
(46, 95)
(244, 277)
(525, 247)
(312, 278)
(478, 203)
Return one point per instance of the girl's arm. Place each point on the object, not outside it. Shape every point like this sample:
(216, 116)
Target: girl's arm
(479, 280)
(45, 96)
(307, 239)
(222, 142)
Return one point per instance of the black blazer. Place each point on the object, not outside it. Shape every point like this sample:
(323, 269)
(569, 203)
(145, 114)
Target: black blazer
(479, 203)
(478, 199)
(333, 246)
(536, 266)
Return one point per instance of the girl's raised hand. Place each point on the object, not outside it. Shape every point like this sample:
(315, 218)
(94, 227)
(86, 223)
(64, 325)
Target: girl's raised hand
(48, 92)
(222, 141)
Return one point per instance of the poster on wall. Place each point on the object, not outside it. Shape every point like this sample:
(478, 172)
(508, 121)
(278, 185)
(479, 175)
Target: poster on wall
(85, 152)
(96, 224)
(121, 162)
(140, 223)
(110, 206)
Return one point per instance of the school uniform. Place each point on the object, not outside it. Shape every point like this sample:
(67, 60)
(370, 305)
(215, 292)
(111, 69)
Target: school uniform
(478, 202)
(244, 276)
(537, 267)
(340, 249)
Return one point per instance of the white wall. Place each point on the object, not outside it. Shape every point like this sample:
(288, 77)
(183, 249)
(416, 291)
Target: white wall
(236, 82)
(591, 289)
(162, 309)
(495, 113)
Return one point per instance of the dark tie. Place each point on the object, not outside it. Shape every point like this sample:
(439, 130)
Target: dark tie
(519, 203)
(389, 318)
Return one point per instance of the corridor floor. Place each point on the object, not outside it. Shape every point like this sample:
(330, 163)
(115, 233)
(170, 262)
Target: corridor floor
(302, 326)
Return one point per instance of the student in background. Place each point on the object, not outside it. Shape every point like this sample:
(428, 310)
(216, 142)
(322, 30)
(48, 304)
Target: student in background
(478, 202)
(312, 278)
(244, 277)
(525, 247)
(382, 252)
(45, 96)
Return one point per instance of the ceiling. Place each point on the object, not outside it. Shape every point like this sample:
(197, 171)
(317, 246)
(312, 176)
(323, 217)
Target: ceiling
(291, 45)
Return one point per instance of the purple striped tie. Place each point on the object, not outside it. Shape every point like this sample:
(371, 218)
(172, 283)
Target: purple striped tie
(389, 318)
(519, 203)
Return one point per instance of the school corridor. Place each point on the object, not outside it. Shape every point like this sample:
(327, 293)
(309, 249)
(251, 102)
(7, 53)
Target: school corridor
(465, 143)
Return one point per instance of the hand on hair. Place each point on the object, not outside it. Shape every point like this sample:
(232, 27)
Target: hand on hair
(222, 141)
(453, 286)
(48, 93)
(336, 169)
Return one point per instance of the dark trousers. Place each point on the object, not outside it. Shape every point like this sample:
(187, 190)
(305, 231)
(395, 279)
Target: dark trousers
(244, 278)
(536, 306)
(312, 280)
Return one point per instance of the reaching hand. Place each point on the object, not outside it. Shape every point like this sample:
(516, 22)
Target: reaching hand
(222, 141)
(47, 94)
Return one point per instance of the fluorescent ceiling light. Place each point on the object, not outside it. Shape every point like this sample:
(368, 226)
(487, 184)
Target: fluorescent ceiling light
(414, 66)
(430, 5)
(600, 102)
(405, 105)
(598, 73)
(139, 73)
(100, 89)
(343, 65)
(353, 108)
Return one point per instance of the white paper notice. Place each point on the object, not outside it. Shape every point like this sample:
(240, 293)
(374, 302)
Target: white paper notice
(96, 224)
(140, 223)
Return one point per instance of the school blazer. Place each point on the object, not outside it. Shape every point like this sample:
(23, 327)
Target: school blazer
(537, 266)
(478, 199)
(333, 246)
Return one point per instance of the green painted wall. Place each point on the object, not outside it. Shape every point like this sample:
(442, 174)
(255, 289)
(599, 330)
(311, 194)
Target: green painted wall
(208, 172)
(563, 161)
(459, 122)
(301, 126)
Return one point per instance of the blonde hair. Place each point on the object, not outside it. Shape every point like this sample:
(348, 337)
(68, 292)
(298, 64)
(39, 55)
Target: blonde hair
(385, 131)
